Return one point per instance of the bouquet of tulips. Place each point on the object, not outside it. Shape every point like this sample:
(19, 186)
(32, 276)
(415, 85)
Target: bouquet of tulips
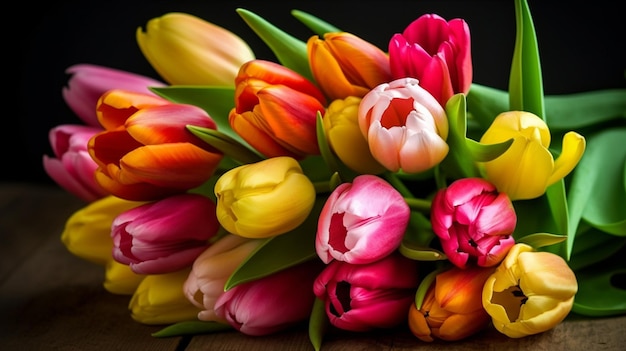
(344, 185)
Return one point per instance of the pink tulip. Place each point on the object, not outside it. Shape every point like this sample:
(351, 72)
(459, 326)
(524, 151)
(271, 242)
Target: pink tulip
(362, 297)
(435, 51)
(88, 82)
(361, 222)
(166, 235)
(272, 303)
(474, 222)
(405, 127)
(72, 168)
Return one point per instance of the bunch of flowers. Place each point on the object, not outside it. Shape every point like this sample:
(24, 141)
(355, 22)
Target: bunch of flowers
(344, 185)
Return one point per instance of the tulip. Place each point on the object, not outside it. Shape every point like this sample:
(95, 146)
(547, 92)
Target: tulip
(345, 65)
(344, 136)
(361, 222)
(146, 152)
(187, 50)
(276, 110)
(120, 279)
(530, 292)
(271, 303)
(211, 270)
(165, 235)
(527, 167)
(264, 199)
(362, 297)
(88, 82)
(159, 299)
(72, 168)
(436, 52)
(452, 308)
(404, 125)
(474, 222)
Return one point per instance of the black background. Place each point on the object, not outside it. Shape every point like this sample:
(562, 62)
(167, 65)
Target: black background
(582, 47)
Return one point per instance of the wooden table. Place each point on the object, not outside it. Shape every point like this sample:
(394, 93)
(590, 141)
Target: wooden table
(52, 300)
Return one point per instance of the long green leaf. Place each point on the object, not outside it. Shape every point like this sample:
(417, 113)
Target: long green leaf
(315, 24)
(597, 296)
(227, 145)
(290, 51)
(526, 84)
(318, 324)
(191, 328)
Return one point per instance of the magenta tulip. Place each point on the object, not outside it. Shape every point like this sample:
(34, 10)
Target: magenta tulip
(474, 222)
(361, 222)
(362, 297)
(435, 51)
(272, 303)
(88, 82)
(71, 167)
(166, 235)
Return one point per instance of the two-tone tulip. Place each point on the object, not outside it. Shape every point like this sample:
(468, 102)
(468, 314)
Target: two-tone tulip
(530, 292)
(72, 168)
(362, 297)
(474, 222)
(405, 127)
(271, 303)
(187, 50)
(146, 152)
(166, 235)
(211, 270)
(452, 308)
(345, 65)
(361, 222)
(263, 199)
(344, 136)
(88, 82)
(436, 52)
(276, 110)
(527, 167)
(159, 299)
(87, 234)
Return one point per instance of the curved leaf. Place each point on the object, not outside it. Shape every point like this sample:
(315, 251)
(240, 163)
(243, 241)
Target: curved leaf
(593, 246)
(485, 103)
(191, 328)
(227, 145)
(541, 239)
(290, 51)
(315, 24)
(318, 324)
(574, 111)
(459, 162)
(597, 296)
(487, 152)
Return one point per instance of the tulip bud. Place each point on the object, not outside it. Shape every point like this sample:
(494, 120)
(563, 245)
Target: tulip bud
(362, 297)
(530, 292)
(187, 50)
(405, 126)
(271, 303)
(345, 65)
(120, 279)
(72, 168)
(452, 308)
(276, 110)
(88, 82)
(146, 152)
(166, 235)
(436, 52)
(159, 299)
(344, 136)
(474, 222)
(212, 269)
(263, 199)
(527, 168)
(361, 222)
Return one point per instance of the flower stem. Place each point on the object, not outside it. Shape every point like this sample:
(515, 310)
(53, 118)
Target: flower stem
(416, 204)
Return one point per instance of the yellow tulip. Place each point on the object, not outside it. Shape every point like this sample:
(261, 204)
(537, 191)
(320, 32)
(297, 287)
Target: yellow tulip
(264, 199)
(120, 279)
(530, 292)
(159, 299)
(344, 136)
(187, 50)
(527, 168)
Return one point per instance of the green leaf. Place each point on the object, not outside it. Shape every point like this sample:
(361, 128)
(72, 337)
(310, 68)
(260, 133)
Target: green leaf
(487, 152)
(420, 253)
(318, 324)
(597, 191)
(593, 246)
(227, 145)
(290, 51)
(541, 239)
(485, 103)
(315, 24)
(459, 162)
(597, 296)
(557, 202)
(525, 81)
(279, 252)
(191, 328)
(574, 111)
